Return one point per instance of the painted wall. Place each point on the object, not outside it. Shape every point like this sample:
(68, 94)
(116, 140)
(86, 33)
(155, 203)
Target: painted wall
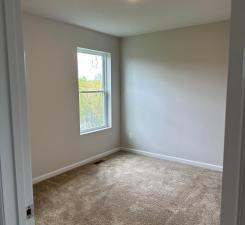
(174, 92)
(50, 49)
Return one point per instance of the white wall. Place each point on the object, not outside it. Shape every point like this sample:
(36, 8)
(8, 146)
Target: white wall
(172, 98)
(174, 92)
(53, 96)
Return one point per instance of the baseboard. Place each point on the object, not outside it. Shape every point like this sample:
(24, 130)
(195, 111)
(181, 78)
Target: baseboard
(136, 151)
(175, 159)
(73, 166)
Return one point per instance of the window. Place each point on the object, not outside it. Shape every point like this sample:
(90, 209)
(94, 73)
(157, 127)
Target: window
(94, 89)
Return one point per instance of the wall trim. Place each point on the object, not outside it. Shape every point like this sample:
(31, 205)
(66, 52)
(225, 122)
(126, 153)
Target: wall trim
(174, 159)
(132, 150)
(73, 166)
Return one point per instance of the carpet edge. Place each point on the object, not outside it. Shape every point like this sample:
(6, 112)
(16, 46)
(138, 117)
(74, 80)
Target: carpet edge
(48, 175)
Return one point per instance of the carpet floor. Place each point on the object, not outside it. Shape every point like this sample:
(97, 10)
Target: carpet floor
(129, 189)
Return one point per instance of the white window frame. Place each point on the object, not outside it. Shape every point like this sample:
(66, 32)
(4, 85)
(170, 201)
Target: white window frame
(106, 89)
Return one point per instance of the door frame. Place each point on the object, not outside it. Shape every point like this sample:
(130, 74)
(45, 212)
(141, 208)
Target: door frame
(233, 193)
(233, 196)
(20, 157)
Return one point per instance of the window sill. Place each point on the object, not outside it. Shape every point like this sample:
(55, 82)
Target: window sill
(95, 130)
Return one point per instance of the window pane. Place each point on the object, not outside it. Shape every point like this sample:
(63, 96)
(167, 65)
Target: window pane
(90, 72)
(91, 110)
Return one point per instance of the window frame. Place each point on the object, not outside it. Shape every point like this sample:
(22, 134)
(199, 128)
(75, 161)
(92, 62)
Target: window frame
(105, 91)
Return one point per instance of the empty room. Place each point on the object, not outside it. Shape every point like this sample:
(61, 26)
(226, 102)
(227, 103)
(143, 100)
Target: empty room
(126, 105)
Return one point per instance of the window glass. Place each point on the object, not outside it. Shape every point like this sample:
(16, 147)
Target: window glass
(93, 92)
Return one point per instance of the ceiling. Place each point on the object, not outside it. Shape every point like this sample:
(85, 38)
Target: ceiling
(131, 17)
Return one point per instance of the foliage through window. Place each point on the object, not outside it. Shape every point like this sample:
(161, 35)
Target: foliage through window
(93, 70)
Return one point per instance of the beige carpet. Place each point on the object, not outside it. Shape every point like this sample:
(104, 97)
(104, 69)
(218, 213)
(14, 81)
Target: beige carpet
(128, 189)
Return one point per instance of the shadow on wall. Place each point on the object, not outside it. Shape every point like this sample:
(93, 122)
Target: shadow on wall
(174, 92)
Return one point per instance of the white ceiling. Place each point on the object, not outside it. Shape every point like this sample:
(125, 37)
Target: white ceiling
(130, 17)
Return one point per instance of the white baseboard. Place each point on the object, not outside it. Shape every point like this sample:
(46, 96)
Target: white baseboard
(73, 166)
(136, 151)
(175, 159)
